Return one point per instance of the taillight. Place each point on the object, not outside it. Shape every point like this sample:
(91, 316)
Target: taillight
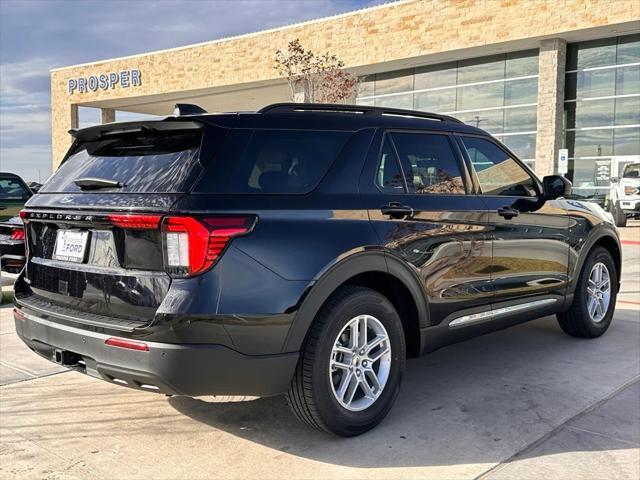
(192, 245)
(135, 222)
(17, 234)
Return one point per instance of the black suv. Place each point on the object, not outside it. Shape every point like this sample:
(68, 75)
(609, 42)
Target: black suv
(301, 249)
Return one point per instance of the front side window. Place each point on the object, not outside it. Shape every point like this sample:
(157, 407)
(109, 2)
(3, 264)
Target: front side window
(497, 172)
(429, 163)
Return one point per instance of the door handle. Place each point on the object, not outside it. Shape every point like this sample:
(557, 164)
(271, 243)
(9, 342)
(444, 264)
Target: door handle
(396, 210)
(508, 212)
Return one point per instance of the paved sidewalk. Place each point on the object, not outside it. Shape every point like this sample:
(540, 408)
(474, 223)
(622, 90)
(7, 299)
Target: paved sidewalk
(525, 402)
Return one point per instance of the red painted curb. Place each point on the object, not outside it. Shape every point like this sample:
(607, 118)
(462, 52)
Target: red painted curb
(628, 301)
(629, 242)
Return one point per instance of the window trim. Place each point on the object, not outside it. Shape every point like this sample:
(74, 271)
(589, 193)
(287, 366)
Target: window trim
(464, 172)
(405, 186)
(478, 187)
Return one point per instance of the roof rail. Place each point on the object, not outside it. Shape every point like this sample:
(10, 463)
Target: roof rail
(360, 109)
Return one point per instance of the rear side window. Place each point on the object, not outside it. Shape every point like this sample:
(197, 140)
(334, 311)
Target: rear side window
(142, 162)
(429, 163)
(274, 162)
(389, 175)
(498, 173)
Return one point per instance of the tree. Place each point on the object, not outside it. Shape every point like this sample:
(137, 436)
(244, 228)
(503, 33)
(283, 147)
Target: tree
(315, 78)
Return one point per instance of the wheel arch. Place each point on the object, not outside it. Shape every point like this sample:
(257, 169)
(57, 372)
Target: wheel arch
(375, 270)
(609, 242)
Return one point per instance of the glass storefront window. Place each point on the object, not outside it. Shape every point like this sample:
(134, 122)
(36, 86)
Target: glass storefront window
(628, 111)
(489, 120)
(396, 101)
(628, 80)
(591, 177)
(366, 101)
(367, 86)
(596, 130)
(481, 69)
(628, 49)
(590, 143)
(596, 83)
(484, 92)
(394, 82)
(521, 91)
(596, 53)
(434, 76)
(521, 119)
(521, 64)
(436, 100)
(524, 146)
(590, 113)
(626, 141)
(480, 96)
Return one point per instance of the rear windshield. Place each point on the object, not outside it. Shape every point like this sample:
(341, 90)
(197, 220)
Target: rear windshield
(141, 162)
(273, 161)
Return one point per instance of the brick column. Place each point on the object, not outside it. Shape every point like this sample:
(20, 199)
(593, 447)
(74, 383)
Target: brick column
(551, 66)
(107, 115)
(64, 117)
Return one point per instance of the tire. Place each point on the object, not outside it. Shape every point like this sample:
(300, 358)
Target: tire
(619, 217)
(577, 321)
(314, 390)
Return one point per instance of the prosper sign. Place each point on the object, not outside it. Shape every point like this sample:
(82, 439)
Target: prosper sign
(104, 81)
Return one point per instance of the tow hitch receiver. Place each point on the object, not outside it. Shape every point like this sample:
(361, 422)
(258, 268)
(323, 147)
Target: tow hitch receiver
(66, 358)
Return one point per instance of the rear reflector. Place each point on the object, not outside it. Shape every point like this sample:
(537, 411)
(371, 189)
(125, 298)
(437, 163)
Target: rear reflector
(18, 315)
(17, 234)
(193, 245)
(130, 344)
(135, 222)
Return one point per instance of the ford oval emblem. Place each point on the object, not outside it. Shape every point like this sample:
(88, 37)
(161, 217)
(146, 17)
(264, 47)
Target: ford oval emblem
(66, 200)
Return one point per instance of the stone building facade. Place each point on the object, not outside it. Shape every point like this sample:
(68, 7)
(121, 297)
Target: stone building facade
(408, 37)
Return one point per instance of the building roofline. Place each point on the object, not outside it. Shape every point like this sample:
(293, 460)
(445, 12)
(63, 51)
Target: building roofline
(386, 4)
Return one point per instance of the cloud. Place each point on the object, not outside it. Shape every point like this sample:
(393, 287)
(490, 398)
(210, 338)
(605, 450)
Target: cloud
(38, 35)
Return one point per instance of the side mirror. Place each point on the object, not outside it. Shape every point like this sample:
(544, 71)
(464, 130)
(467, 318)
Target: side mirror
(614, 179)
(556, 186)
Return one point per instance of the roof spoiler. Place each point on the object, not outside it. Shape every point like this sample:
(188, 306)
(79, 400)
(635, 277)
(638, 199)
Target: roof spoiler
(182, 109)
(98, 132)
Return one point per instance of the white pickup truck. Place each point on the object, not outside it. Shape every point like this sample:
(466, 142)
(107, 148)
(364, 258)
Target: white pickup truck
(624, 200)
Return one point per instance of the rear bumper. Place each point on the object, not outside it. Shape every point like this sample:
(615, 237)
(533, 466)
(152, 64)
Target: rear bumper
(174, 369)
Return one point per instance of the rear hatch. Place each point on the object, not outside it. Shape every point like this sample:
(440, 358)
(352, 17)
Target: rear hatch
(95, 250)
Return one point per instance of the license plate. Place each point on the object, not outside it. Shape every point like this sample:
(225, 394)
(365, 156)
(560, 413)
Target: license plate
(71, 245)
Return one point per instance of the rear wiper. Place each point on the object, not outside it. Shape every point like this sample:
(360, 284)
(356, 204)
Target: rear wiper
(94, 183)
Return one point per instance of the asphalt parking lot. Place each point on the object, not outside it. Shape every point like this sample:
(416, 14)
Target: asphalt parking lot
(526, 402)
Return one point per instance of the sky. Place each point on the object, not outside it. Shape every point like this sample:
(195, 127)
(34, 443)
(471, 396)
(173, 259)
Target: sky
(38, 35)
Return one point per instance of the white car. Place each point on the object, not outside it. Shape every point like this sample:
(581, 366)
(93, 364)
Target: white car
(625, 195)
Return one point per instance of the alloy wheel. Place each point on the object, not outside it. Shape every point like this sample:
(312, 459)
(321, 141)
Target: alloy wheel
(360, 363)
(599, 292)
